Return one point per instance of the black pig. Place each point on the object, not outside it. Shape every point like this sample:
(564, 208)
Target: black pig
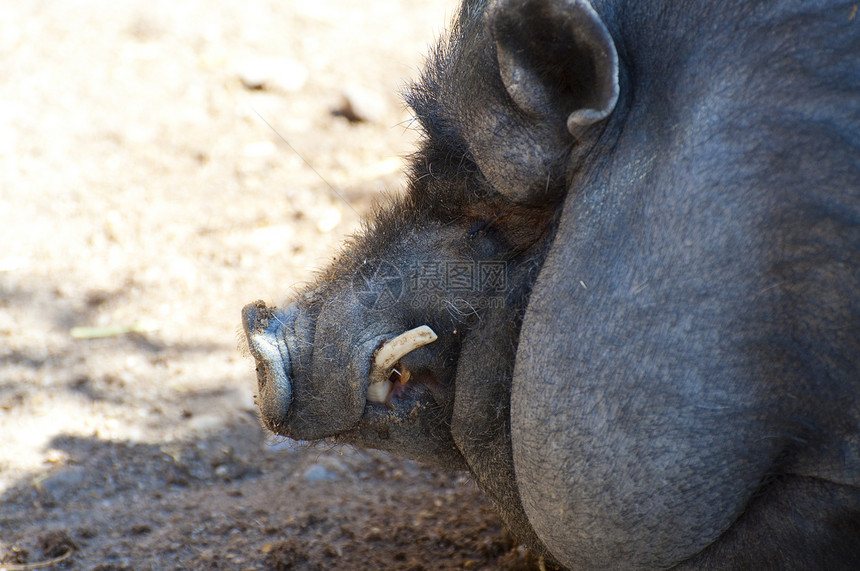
(634, 231)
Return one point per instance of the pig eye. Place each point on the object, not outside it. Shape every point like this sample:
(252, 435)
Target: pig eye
(477, 227)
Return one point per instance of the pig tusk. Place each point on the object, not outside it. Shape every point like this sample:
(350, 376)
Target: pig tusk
(394, 349)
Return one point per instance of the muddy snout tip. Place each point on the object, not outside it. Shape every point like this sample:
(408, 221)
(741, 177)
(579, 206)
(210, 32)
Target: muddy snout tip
(267, 343)
(254, 315)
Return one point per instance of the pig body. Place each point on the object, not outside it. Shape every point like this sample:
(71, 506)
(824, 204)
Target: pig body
(635, 229)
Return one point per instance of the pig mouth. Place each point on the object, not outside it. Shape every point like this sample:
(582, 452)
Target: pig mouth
(388, 375)
(386, 383)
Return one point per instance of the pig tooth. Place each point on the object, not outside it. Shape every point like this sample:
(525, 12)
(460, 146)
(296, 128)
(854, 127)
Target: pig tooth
(394, 349)
(403, 376)
(378, 392)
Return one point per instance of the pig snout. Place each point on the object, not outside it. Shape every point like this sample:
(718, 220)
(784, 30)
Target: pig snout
(314, 378)
(266, 331)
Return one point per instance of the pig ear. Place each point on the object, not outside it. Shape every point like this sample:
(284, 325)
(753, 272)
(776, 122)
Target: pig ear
(559, 68)
(556, 56)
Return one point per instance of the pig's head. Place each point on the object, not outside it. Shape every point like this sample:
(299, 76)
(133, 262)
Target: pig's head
(457, 253)
(330, 364)
(347, 358)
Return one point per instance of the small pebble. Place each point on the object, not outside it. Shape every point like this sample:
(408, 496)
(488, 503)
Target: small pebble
(328, 219)
(259, 149)
(62, 482)
(361, 104)
(206, 423)
(272, 73)
(319, 473)
(271, 240)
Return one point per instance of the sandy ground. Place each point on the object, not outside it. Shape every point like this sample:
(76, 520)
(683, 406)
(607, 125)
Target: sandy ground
(143, 201)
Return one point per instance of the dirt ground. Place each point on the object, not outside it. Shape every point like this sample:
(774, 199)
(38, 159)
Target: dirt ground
(143, 201)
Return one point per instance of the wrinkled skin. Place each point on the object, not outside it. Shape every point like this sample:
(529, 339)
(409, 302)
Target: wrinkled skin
(668, 373)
